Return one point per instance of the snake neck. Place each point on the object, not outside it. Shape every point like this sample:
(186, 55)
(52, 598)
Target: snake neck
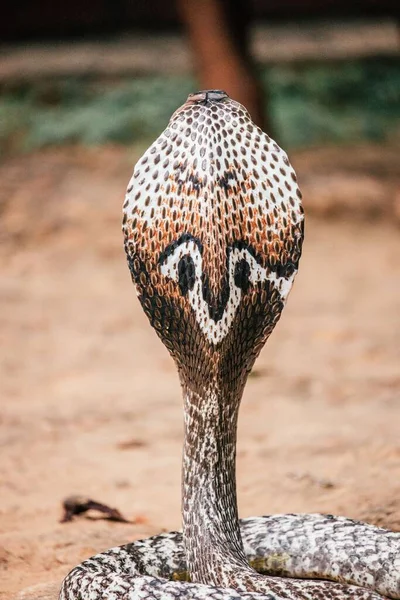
(211, 530)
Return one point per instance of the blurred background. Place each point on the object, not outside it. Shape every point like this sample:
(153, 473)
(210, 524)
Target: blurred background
(313, 72)
(90, 401)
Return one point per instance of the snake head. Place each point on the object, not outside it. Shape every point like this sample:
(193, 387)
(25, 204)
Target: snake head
(213, 228)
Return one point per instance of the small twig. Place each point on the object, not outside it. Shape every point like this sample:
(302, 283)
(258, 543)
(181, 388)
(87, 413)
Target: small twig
(77, 505)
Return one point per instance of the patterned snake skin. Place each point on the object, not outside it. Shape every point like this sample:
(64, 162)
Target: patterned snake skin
(213, 228)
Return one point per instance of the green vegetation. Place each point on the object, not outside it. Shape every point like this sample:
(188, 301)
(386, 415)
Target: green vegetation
(337, 102)
(308, 103)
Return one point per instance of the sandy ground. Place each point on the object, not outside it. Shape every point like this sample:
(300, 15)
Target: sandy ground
(90, 401)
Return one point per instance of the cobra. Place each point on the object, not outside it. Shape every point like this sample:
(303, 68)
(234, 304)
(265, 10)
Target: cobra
(213, 228)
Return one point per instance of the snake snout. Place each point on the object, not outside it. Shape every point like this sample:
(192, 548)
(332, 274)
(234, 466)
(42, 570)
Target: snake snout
(205, 96)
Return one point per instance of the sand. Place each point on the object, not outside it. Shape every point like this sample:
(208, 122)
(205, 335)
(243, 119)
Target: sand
(90, 399)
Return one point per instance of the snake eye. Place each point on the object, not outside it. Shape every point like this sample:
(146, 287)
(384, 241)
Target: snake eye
(242, 274)
(186, 274)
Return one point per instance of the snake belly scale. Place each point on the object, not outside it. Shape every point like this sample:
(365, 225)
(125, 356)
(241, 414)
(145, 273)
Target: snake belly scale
(213, 230)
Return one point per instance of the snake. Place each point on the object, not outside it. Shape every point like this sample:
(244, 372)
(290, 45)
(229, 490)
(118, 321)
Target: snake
(213, 229)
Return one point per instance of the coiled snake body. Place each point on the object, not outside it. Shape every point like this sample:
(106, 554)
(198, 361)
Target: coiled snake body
(213, 228)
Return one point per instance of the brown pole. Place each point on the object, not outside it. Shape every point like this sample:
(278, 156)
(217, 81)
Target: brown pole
(218, 35)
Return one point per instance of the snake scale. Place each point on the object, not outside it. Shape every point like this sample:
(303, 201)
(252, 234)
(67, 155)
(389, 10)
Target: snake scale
(213, 229)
